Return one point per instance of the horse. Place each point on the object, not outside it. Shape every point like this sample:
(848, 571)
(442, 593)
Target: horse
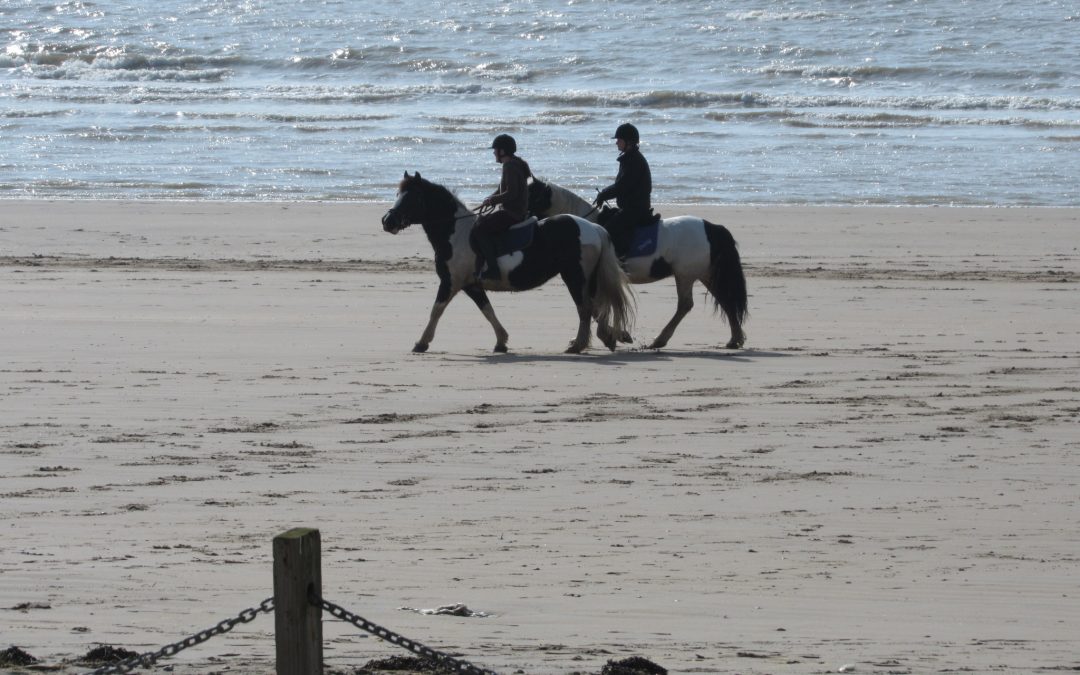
(688, 248)
(579, 251)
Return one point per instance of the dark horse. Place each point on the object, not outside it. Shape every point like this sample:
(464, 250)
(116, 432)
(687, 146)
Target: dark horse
(688, 248)
(578, 251)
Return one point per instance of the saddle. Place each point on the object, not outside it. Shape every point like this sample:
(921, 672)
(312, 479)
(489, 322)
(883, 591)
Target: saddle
(645, 237)
(635, 241)
(517, 237)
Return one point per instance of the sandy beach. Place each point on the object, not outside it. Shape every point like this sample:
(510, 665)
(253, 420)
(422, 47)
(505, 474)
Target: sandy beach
(884, 480)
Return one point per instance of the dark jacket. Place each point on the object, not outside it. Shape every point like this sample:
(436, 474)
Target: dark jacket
(632, 188)
(513, 194)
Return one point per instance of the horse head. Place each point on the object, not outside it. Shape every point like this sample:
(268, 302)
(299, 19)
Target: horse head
(408, 208)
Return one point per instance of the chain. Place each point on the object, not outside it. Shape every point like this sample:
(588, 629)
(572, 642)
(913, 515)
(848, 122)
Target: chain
(360, 622)
(150, 658)
(266, 606)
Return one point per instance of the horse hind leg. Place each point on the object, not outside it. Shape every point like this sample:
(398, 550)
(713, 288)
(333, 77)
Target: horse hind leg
(581, 342)
(738, 335)
(606, 335)
(612, 300)
(610, 337)
(576, 284)
(684, 288)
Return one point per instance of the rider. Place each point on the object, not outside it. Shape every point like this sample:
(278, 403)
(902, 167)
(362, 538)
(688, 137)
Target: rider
(511, 203)
(632, 189)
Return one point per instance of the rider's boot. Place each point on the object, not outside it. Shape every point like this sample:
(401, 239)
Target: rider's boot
(487, 262)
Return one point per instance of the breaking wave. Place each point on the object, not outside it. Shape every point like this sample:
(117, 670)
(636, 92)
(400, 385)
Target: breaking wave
(663, 99)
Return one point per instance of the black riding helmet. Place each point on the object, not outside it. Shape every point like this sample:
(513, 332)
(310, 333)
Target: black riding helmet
(628, 132)
(504, 142)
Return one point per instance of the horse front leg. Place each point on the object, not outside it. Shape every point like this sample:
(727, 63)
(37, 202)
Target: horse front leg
(685, 290)
(476, 292)
(442, 299)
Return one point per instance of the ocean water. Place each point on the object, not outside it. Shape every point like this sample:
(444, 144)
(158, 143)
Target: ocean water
(811, 102)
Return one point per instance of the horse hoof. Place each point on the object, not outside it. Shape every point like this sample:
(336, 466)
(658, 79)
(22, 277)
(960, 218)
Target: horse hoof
(575, 349)
(736, 344)
(501, 349)
(626, 338)
(656, 345)
(419, 348)
(607, 338)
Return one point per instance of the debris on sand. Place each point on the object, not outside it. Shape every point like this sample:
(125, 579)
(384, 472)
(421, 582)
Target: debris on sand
(635, 665)
(107, 654)
(412, 664)
(457, 609)
(13, 656)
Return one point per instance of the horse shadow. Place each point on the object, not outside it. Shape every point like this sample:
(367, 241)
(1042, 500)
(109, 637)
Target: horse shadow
(625, 357)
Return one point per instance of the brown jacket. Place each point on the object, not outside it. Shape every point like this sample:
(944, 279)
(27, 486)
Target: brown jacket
(513, 193)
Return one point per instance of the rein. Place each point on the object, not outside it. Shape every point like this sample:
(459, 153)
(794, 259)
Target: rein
(455, 219)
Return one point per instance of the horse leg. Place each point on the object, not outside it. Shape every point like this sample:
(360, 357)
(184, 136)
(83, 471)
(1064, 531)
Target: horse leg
(575, 283)
(442, 299)
(606, 335)
(581, 342)
(738, 336)
(609, 337)
(684, 287)
(476, 292)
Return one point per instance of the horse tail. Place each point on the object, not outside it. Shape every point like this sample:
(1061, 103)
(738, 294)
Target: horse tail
(613, 299)
(727, 284)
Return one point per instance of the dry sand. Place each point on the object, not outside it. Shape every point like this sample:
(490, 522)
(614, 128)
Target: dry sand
(886, 477)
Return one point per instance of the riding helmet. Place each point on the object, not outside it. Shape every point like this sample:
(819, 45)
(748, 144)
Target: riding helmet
(628, 132)
(504, 142)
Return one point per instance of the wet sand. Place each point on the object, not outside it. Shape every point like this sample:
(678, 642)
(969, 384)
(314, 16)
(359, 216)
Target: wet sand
(886, 476)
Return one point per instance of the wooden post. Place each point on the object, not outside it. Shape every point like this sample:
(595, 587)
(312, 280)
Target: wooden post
(297, 622)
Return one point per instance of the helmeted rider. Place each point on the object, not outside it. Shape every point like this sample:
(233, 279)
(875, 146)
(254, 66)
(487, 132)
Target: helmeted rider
(632, 189)
(511, 202)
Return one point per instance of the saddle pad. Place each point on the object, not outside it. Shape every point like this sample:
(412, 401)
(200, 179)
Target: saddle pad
(644, 241)
(517, 237)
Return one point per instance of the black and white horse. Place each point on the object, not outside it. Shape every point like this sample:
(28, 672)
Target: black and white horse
(577, 250)
(687, 248)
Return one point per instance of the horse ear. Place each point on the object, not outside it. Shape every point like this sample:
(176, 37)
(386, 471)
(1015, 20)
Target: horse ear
(406, 175)
(417, 175)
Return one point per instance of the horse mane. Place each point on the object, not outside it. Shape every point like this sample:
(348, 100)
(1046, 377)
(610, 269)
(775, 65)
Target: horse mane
(573, 195)
(436, 194)
(539, 196)
(568, 200)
